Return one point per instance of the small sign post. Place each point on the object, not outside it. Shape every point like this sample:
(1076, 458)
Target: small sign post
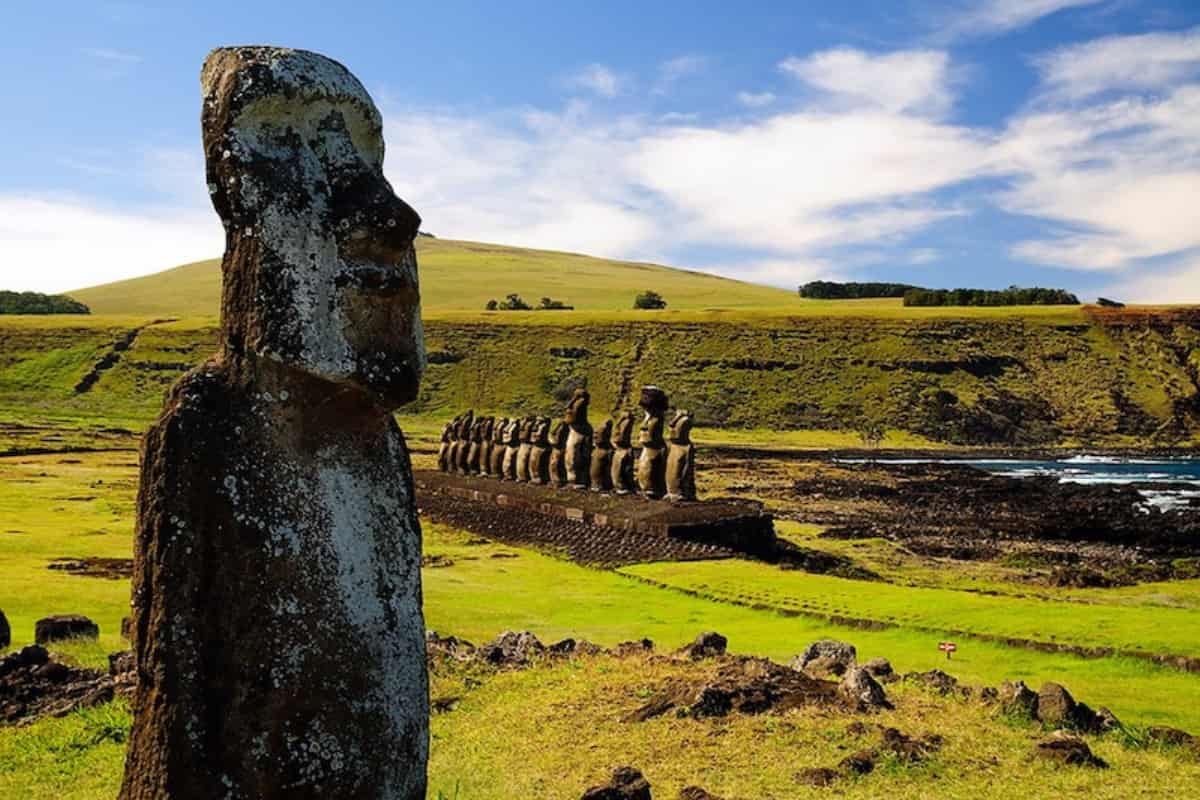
(947, 648)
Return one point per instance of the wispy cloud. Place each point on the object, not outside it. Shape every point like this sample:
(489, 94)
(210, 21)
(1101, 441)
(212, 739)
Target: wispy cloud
(672, 70)
(596, 78)
(991, 17)
(112, 56)
(755, 99)
(1120, 63)
(905, 80)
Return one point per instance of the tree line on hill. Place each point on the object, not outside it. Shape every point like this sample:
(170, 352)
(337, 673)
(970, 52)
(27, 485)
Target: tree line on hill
(38, 303)
(919, 296)
(648, 299)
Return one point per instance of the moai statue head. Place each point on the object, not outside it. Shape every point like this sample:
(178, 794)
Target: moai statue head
(468, 423)
(602, 436)
(623, 430)
(477, 430)
(654, 402)
(320, 271)
(681, 427)
(576, 414)
(499, 430)
(512, 432)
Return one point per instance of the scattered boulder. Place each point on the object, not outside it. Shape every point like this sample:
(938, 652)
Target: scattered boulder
(626, 783)
(512, 649)
(450, 647)
(1066, 748)
(706, 645)
(5, 632)
(120, 663)
(696, 793)
(64, 626)
(817, 776)
(33, 685)
(937, 680)
(859, 763)
(880, 668)
(1018, 700)
(1055, 705)
(908, 749)
(1171, 737)
(640, 646)
(859, 687)
(826, 656)
(1107, 720)
(573, 647)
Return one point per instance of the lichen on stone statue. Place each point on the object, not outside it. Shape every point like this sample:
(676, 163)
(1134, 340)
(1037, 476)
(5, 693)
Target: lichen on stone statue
(277, 620)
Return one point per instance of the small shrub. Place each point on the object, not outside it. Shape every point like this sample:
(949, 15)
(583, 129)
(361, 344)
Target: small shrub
(492, 305)
(649, 299)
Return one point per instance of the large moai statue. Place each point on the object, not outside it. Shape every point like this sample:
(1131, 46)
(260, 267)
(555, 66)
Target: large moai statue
(463, 453)
(525, 448)
(499, 434)
(475, 450)
(681, 457)
(579, 440)
(558, 452)
(276, 619)
(539, 454)
(512, 449)
(602, 455)
(623, 478)
(485, 446)
(444, 447)
(652, 460)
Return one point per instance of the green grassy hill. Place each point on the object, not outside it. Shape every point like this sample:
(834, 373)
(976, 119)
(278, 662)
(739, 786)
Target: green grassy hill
(463, 276)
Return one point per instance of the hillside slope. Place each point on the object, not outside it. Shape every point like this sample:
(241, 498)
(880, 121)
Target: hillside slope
(1123, 379)
(463, 276)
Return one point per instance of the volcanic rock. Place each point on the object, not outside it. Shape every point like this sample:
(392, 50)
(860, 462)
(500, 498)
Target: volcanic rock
(1018, 699)
(64, 626)
(706, 645)
(448, 647)
(696, 793)
(859, 763)
(1066, 748)
(32, 686)
(626, 783)
(827, 656)
(879, 668)
(858, 686)
(817, 776)
(512, 648)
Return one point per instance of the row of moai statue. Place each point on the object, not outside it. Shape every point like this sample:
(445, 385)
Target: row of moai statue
(570, 452)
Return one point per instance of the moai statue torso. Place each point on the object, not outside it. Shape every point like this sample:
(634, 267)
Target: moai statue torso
(276, 619)
(579, 440)
(485, 446)
(602, 453)
(525, 448)
(652, 460)
(499, 437)
(462, 465)
(475, 451)
(444, 447)
(539, 455)
(512, 445)
(681, 458)
(623, 480)
(558, 453)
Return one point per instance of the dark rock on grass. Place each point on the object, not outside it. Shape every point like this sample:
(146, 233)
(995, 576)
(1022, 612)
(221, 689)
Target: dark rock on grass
(575, 647)
(859, 763)
(879, 668)
(706, 645)
(32, 686)
(120, 663)
(64, 626)
(641, 646)
(626, 783)
(1066, 748)
(1106, 720)
(1018, 700)
(908, 749)
(1171, 737)
(937, 680)
(450, 647)
(827, 656)
(859, 687)
(817, 776)
(5, 632)
(696, 793)
(512, 649)
(1056, 707)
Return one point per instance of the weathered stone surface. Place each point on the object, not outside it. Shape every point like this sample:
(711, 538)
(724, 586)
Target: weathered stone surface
(1055, 705)
(652, 460)
(487, 443)
(475, 449)
(512, 648)
(1018, 699)
(462, 455)
(707, 645)
(859, 686)
(602, 455)
(64, 626)
(696, 793)
(539, 455)
(525, 448)
(879, 668)
(444, 448)
(623, 478)
(626, 783)
(32, 685)
(277, 623)
(578, 456)
(1066, 748)
(837, 657)
(681, 458)
(5, 631)
(558, 452)
(512, 449)
(820, 777)
(499, 434)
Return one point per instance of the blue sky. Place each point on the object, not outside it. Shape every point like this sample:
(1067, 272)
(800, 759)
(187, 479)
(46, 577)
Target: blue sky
(981, 142)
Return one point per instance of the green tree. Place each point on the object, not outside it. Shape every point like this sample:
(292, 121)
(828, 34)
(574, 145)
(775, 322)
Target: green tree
(649, 299)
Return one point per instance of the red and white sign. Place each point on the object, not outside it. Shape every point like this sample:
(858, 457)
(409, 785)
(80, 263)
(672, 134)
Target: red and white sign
(947, 648)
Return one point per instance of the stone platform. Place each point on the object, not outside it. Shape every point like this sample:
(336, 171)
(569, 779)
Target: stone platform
(724, 527)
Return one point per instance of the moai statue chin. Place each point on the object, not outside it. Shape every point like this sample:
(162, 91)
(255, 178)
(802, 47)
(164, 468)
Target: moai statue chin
(276, 619)
(558, 453)
(652, 461)
(499, 432)
(579, 440)
(525, 448)
(512, 449)
(444, 447)
(485, 446)
(539, 454)
(623, 479)
(681, 458)
(602, 455)
(463, 463)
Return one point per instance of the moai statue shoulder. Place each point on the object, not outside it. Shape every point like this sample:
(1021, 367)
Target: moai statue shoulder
(602, 455)
(525, 449)
(579, 440)
(622, 471)
(558, 452)
(539, 456)
(652, 460)
(276, 592)
(681, 458)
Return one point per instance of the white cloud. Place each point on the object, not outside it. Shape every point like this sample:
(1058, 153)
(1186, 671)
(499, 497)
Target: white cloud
(986, 17)
(109, 54)
(597, 78)
(673, 69)
(56, 244)
(755, 99)
(906, 80)
(1139, 63)
(1178, 282)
